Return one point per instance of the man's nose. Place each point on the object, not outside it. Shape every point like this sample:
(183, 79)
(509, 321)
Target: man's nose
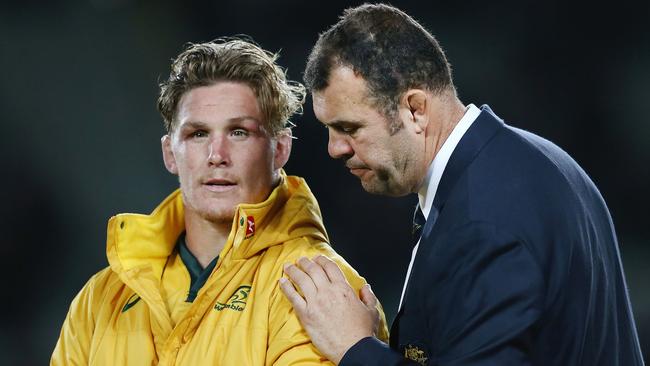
(338, 147)
(218, 151)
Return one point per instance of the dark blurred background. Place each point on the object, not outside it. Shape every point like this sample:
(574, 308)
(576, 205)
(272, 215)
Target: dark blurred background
(80, 130)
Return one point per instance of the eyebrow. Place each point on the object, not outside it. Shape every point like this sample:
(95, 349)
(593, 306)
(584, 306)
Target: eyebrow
(339, 123)
(230, 121)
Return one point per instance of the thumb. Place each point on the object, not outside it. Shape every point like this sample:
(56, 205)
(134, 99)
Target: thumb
(368, 297)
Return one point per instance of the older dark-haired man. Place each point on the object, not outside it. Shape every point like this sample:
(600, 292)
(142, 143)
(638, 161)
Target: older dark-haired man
(516, 261)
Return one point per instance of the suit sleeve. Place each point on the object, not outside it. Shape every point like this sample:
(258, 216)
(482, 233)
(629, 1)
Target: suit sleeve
(481, 292)
(73, 345)
(372, 351)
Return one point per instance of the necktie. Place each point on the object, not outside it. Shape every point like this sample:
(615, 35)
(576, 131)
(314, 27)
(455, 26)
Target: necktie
(418, 224)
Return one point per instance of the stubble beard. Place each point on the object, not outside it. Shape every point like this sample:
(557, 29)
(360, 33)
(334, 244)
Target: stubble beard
(388, 182)
(205, 209)
(381, 183)
(220, 216)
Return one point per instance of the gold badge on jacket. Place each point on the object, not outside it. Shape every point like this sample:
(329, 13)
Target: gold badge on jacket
(416, 354)
(237, 301)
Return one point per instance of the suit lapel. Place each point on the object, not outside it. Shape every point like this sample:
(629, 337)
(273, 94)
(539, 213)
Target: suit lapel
(477, 136)
(485, 127)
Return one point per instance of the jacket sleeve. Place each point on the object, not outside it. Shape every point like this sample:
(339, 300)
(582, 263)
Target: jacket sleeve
(480, 294)
(289, 343)
(372, 351)
(73, 345)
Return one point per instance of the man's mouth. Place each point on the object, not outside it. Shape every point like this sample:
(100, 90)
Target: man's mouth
(219, 185)
(358, 171)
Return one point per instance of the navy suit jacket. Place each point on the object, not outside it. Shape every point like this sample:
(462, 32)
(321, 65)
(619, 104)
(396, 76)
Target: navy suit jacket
(518, 264)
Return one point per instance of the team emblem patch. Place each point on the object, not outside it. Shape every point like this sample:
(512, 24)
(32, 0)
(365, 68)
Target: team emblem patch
(237, 300)
(250, 226)
(416, 354)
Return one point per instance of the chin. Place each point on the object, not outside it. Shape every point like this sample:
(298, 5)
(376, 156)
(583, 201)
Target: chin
(384, 188)
(218, 214)
(374, 188)
(219, 217)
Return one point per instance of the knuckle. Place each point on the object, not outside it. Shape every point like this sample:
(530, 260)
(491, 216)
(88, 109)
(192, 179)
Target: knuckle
(305, 263)
(289, 269)
(294, 273)
(321, 259)
(331, 266)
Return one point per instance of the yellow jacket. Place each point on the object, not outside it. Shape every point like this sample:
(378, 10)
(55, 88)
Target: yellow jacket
(240, 316)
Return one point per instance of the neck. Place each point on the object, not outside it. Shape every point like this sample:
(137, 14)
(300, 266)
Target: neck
(445, 117)
(205, 239)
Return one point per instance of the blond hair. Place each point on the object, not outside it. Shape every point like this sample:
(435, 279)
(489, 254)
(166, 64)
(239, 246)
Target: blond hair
(238, 60)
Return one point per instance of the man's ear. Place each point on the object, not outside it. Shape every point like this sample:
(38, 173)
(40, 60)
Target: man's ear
(414, 102)
(282, 148)
(168, 154)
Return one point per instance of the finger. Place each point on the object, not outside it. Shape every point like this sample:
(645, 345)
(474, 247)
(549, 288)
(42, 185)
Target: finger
(332, 270)
(301, 280)
(292, 295)
(368, 297)
(371, 302)
(315, 271)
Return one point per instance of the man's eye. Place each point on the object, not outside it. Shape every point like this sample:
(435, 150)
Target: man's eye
(239, 133)
(348, 130)
(198, 133)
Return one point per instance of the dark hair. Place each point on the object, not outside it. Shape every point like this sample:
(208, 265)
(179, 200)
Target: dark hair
(386, 47)
(232, 59)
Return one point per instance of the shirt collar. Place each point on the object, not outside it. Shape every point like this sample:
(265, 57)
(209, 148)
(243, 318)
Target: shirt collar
(429, 186)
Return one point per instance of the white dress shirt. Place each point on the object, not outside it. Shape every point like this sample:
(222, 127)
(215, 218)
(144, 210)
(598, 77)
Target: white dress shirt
(429, 186)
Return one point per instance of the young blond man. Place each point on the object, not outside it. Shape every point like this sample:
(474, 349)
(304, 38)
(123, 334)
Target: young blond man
(196, 281)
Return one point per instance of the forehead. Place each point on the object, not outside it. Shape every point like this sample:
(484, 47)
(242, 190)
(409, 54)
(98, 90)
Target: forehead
(221, 101)
(345, 96)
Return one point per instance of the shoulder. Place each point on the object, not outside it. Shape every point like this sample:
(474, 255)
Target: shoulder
(102, 281)
(292, 250)
(97, 290)
(516, 178)
(528, 157)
